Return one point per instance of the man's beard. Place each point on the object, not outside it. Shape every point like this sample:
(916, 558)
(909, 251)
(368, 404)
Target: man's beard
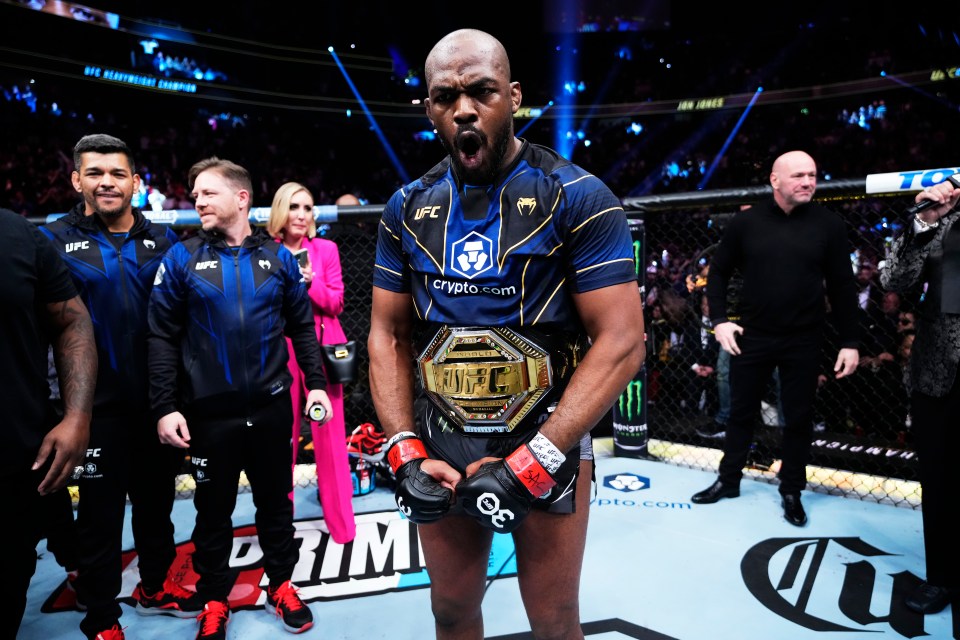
(487, 173)
(109, 214)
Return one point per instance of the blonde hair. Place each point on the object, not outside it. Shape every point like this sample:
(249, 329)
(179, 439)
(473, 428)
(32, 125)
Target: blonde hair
(280, 210)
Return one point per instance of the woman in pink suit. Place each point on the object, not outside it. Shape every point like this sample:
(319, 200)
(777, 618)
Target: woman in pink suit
(292, 223)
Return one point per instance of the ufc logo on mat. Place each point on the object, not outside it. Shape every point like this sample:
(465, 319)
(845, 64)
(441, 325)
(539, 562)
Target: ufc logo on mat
(489, 505)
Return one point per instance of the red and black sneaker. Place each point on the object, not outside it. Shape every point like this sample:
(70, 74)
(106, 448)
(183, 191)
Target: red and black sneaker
(288, 606)
(366, 442)
(213, 621)
(113, 633)
(171, 600)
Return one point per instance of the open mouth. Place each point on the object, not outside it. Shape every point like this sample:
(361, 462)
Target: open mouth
(469, 143)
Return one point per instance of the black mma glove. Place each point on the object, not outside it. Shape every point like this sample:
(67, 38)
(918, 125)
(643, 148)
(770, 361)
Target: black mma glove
(419, 497)
(500, 494)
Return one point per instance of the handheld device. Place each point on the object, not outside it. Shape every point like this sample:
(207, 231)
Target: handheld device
(317, 412)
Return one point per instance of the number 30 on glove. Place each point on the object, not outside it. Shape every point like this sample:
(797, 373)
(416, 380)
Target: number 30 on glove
(419, 497)
(500, 494)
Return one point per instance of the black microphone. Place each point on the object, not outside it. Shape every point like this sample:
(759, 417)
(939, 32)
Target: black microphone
(923, 205)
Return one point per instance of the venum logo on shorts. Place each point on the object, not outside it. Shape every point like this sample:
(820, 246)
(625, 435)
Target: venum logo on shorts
(472, 255)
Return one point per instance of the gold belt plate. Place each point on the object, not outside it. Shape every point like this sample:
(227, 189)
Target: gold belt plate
(485, 379)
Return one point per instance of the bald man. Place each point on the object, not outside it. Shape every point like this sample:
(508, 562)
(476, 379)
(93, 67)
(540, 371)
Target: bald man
(503, 247)
(786, 248)
(347, 199)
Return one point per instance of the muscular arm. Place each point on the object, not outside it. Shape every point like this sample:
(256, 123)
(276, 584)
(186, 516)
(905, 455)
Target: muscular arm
(75, 353)
(424, 484)
(389, 344)
(613, 318)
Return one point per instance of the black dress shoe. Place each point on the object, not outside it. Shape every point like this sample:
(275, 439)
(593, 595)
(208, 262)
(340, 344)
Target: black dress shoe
(927, 598)
(714, 492)
(793, 509)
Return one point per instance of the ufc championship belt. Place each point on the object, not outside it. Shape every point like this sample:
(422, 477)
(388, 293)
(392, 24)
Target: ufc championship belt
(486, 380)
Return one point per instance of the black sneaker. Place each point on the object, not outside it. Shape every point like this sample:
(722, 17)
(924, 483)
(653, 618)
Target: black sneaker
(288, 606)
(213, 621)
(171, 600)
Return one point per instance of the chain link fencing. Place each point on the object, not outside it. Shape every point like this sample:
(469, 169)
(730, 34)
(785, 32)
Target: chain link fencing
(862, 443)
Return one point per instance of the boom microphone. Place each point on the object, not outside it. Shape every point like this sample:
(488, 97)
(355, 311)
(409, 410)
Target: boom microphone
(923, 205)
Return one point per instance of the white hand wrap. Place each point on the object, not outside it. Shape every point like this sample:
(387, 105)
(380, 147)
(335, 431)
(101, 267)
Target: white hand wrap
(547, 454)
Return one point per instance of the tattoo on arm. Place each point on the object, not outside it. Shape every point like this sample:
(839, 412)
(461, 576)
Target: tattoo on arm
(75, 352)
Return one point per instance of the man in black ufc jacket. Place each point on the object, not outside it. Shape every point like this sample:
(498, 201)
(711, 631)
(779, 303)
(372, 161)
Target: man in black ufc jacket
(221, 304)
(112, 252)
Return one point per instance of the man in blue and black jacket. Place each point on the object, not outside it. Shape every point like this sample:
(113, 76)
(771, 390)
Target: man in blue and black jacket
(221, 304)
(112, 252)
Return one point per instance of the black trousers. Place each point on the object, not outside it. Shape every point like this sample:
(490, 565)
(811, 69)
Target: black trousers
(797, 356)
(220, 448)
(25, 508)
(938, 438)
(60, 528)
(124, 457)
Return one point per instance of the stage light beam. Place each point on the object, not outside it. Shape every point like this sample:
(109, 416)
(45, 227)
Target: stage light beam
(374, 126)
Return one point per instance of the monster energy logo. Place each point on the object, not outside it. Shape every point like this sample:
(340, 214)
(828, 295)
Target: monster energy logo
(631, 401)
(637, 256)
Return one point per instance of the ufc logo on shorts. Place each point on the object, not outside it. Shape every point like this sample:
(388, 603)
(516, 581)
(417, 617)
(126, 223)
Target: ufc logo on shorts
(489, 505)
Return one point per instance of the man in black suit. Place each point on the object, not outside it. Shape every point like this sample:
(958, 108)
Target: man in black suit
(929, 252)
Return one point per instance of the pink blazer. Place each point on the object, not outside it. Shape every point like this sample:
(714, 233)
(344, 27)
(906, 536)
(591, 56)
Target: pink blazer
(326, 289)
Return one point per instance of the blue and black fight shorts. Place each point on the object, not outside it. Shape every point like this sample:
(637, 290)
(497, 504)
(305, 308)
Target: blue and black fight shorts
(459, 449)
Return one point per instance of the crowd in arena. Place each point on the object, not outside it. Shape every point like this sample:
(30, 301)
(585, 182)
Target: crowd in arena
(851, 135)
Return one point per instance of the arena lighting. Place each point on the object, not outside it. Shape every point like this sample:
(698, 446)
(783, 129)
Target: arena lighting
(565, 67)
(394, 159)
(728, 141)
(534, 115)
(925, 94)
(693, 141)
